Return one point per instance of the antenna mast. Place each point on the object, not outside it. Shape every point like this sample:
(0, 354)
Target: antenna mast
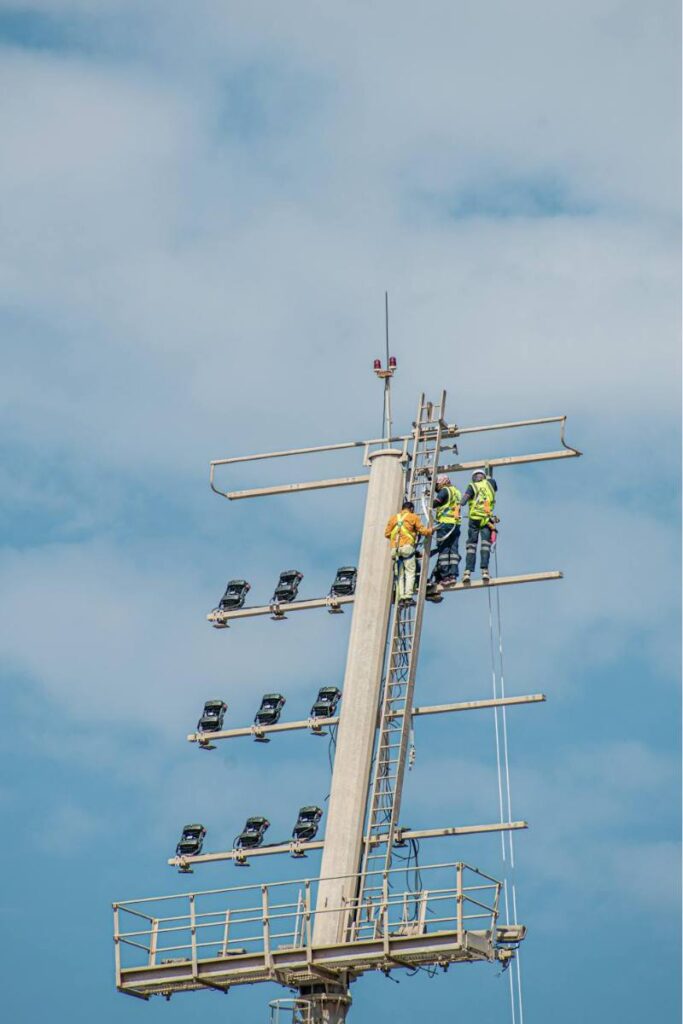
(386, 373)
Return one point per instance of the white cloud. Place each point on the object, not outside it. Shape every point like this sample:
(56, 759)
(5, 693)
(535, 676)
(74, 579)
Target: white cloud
(124, 639)
(150, 253)
(598, 814)
(176, 288)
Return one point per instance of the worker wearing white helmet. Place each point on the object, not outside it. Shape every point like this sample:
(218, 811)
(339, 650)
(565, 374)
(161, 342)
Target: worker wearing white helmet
(481, 498)
(447, 514)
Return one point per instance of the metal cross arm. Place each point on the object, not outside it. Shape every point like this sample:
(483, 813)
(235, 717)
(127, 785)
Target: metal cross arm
(240, 856)
(562, 420)
(316, 725)
(504, 581)
(450, 430)
(508, 460)
(279, 610)
(306, 485)
(566, 452)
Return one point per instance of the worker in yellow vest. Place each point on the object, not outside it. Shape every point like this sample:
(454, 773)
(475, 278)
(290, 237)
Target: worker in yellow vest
(447, 513)
(402, 531)
(481, 498)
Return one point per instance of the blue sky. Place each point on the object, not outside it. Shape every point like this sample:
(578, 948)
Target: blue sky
(201, 212)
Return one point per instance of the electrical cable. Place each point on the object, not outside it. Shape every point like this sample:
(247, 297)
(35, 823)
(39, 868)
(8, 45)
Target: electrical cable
(332, 745)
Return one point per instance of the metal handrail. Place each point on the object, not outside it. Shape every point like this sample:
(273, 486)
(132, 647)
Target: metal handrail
(126, 904)
(387, 912)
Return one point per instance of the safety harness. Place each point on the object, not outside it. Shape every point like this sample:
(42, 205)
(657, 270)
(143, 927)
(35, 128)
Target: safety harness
(449, 513)
(483, 502)
(399, 529)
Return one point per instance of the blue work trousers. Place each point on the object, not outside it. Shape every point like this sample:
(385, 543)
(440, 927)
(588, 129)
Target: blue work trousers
(447, 554)
(474, 532)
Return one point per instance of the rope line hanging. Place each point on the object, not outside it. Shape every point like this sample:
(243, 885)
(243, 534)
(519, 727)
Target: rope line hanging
(501, 806)
(511, 842)
(504, 788)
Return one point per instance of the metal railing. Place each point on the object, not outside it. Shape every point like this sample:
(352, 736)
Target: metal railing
(261, 919)
(450, 430)
(290, 1011)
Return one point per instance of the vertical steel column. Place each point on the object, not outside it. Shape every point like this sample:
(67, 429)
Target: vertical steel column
(358, 719)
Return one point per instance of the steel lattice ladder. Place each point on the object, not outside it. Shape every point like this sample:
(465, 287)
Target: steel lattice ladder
(384, 802)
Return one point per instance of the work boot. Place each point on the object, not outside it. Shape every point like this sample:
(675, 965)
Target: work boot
(485, 575)
(466, 576)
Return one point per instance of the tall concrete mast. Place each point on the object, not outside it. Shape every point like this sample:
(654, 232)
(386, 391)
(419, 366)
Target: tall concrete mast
(360, 912)
(358, 719)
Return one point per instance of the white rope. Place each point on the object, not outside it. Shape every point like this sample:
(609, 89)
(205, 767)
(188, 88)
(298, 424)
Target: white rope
(508, 788)
(495, 723)
(501, 809)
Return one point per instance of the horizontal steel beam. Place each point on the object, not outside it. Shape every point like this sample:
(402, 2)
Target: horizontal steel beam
(315, 725)
(299, 849)
(504, 581)
(472, 705)
(297, 965)
(332, 603)
(243, 855)
(309, 485)
(256, 731)
(279, 611)
(456, 830)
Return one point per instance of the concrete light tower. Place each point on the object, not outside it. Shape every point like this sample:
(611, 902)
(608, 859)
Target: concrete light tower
(317, 935)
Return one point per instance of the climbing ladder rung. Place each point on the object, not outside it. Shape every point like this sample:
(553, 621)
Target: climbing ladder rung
(397, 688)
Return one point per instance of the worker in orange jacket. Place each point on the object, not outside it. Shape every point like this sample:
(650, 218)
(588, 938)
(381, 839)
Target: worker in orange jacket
(402, 531)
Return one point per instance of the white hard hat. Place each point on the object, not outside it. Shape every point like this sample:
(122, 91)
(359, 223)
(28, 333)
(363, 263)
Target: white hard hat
(443, 481)
(478, 472)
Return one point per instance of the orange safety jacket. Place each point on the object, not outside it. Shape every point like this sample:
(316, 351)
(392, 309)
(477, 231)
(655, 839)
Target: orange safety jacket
(403, 529)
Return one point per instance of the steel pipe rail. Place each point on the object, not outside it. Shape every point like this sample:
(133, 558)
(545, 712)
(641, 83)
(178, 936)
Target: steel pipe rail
(510, 425)
(167, 897)
(315, 725)
(509, 460)
(300, 849)
(451, 430)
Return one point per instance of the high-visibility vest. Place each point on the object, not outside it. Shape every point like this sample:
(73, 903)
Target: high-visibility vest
(450, 512)
(399, 529)
(483, 503)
